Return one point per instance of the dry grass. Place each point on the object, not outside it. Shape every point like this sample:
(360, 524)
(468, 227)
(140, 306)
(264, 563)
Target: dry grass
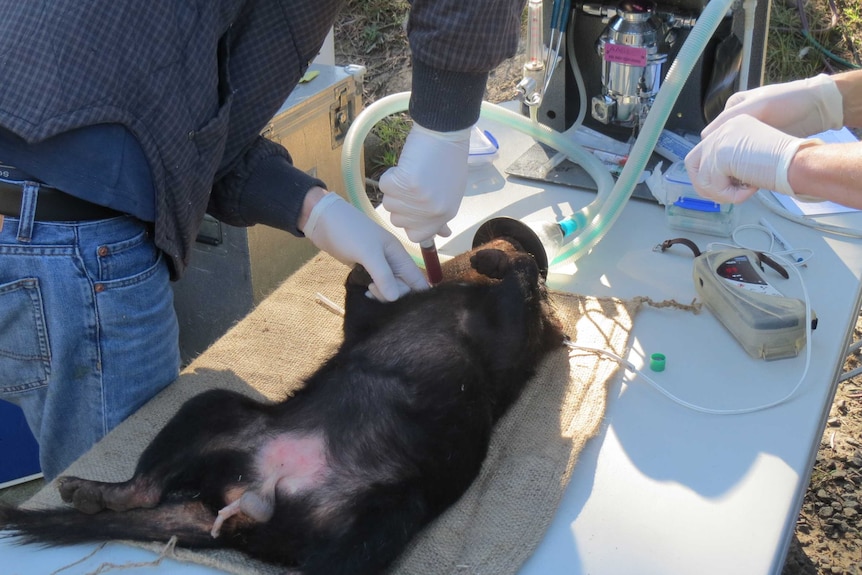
(810, 37)
(371, 33)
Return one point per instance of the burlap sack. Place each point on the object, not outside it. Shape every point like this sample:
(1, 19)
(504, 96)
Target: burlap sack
(500, 520)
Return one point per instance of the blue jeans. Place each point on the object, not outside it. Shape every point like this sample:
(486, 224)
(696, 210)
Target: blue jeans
(88, 331)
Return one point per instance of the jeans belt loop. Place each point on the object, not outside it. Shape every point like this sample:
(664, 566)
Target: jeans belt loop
(29, 198)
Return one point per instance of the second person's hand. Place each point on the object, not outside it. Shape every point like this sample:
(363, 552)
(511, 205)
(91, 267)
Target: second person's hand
(799, 108)
(424, 191)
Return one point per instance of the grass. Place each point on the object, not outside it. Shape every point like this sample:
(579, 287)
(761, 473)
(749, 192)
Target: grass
(809, 37)
(371, 33)
(373, 16)
(392, 132)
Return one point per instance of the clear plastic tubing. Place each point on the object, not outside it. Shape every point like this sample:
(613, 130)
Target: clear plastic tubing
(585, 228)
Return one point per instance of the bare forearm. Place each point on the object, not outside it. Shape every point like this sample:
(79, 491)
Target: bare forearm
(831, 172)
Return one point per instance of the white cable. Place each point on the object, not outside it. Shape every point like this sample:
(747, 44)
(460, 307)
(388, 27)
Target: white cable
(629, 366)
(773, 241)
(807, 221)
(552, 59)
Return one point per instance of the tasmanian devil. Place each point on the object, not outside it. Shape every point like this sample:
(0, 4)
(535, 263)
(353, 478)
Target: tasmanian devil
(336, 479)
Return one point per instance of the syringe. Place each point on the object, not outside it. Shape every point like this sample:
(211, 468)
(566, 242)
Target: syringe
(432, 261)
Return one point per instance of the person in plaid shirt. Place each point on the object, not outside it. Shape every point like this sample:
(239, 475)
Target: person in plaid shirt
(123, 122)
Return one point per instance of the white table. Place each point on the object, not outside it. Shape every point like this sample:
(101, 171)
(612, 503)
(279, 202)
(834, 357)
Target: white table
(662, 489)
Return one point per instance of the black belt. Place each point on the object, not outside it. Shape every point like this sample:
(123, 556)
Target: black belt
(52, 205)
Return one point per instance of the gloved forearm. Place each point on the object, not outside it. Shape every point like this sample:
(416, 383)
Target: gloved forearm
(850, 86)
(754, 143)
(351, 237)
(801, 108)
(454, 45)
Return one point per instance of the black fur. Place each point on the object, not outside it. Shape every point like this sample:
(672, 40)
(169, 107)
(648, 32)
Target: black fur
(381, 439)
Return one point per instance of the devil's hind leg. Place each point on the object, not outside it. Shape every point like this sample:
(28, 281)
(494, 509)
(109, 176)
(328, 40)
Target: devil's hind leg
(197, 448)
(94, 496)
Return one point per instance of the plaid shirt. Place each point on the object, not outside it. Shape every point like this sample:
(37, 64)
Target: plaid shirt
(196, 81)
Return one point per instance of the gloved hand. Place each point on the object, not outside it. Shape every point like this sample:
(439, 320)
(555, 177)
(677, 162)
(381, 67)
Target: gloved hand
(800, 108)
(351, 237)
(740, 157)
(423, 192)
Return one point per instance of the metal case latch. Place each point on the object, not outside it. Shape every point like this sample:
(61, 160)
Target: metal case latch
(341, 114)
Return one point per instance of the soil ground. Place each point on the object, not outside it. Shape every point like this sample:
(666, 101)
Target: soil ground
(828, 538)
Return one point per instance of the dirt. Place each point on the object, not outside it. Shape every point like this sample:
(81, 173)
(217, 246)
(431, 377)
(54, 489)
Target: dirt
(828, 538)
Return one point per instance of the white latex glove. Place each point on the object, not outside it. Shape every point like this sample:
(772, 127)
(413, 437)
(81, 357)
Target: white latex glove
(740, 157)
(424, 191)
(800, 108)
(351, 237)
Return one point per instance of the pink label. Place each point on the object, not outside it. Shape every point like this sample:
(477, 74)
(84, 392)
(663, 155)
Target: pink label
(622, 54)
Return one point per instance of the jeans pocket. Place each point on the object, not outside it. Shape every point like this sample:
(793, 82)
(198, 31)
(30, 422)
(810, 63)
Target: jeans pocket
(127, 258)
(25, 358)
